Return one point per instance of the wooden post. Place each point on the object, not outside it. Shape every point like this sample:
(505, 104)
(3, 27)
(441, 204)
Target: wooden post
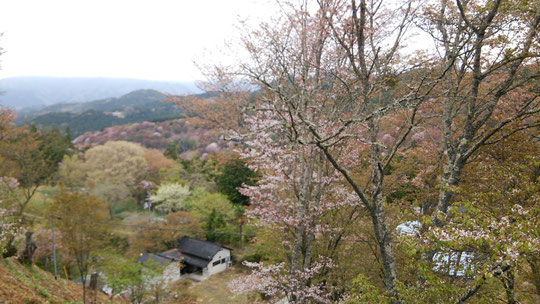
(54, 249)
(65, 272)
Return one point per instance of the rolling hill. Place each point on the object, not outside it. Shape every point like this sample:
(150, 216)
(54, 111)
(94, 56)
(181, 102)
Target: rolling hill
(23, 92)
(137, 106)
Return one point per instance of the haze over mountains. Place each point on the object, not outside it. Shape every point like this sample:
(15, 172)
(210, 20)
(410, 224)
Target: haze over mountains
(23, 92)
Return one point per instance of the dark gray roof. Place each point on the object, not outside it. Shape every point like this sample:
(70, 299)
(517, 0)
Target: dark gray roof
(172, 253)
(155, 257)
(193, 260)
(198, 248)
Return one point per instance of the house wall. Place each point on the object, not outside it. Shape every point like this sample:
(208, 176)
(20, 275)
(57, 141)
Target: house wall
(171, 272)
(220, 255)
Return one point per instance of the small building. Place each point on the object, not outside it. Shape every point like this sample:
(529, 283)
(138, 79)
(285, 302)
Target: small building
(170, 260)
(202, 257)
(193, 258)
(449, 262)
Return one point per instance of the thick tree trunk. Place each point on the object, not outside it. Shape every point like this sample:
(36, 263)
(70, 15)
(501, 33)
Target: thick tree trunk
(304, 197)
(451, 178)
(384, 241)
(27, 257)
(507, 279)
(303, 201)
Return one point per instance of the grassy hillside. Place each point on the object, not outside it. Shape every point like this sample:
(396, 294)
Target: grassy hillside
(26, 284)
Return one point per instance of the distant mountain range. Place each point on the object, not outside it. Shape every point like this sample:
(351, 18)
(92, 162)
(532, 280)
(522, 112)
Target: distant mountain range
(137, 106)
(23, 92)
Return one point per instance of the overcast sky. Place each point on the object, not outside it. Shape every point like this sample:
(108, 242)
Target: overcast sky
(146, 39)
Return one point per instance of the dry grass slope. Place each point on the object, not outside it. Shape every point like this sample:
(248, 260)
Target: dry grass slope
(25, 285)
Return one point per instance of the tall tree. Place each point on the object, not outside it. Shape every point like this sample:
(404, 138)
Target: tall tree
(335, 76)
(233, 175)
(81, 220)
(31, 156)
(491, 51)
(112, 170)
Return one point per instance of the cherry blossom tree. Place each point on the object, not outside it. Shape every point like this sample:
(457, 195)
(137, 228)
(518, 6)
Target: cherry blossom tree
(298, 186)
(10, 226)
(334, 76)
(490, 49)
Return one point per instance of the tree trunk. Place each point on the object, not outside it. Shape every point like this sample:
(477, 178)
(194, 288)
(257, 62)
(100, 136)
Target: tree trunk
(304, 196)
(94, 286)
(378, 216)
(10, 249)
(27, 257)
(451, 178)
(84, 289)
(382, 235)
(507, 279)
(535, 273)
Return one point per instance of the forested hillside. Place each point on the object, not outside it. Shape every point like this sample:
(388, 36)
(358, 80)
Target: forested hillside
(137, 106)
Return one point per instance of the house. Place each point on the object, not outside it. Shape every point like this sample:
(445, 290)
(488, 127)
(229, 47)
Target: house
(193, 258)
(202, 257)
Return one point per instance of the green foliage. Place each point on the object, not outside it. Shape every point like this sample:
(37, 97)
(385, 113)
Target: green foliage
(109, 171)
(53, 146)
(146, 281)
(363, 291)
(214, 223)
(186, 144)
(234, 174)
(215, 213)
(190, 172)
(44, 292)
(120, 272)
(31, 156)
(171, 151)
(72, 172)
(202, 203)
(115, 194)
(254, 258)
(125, 205)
